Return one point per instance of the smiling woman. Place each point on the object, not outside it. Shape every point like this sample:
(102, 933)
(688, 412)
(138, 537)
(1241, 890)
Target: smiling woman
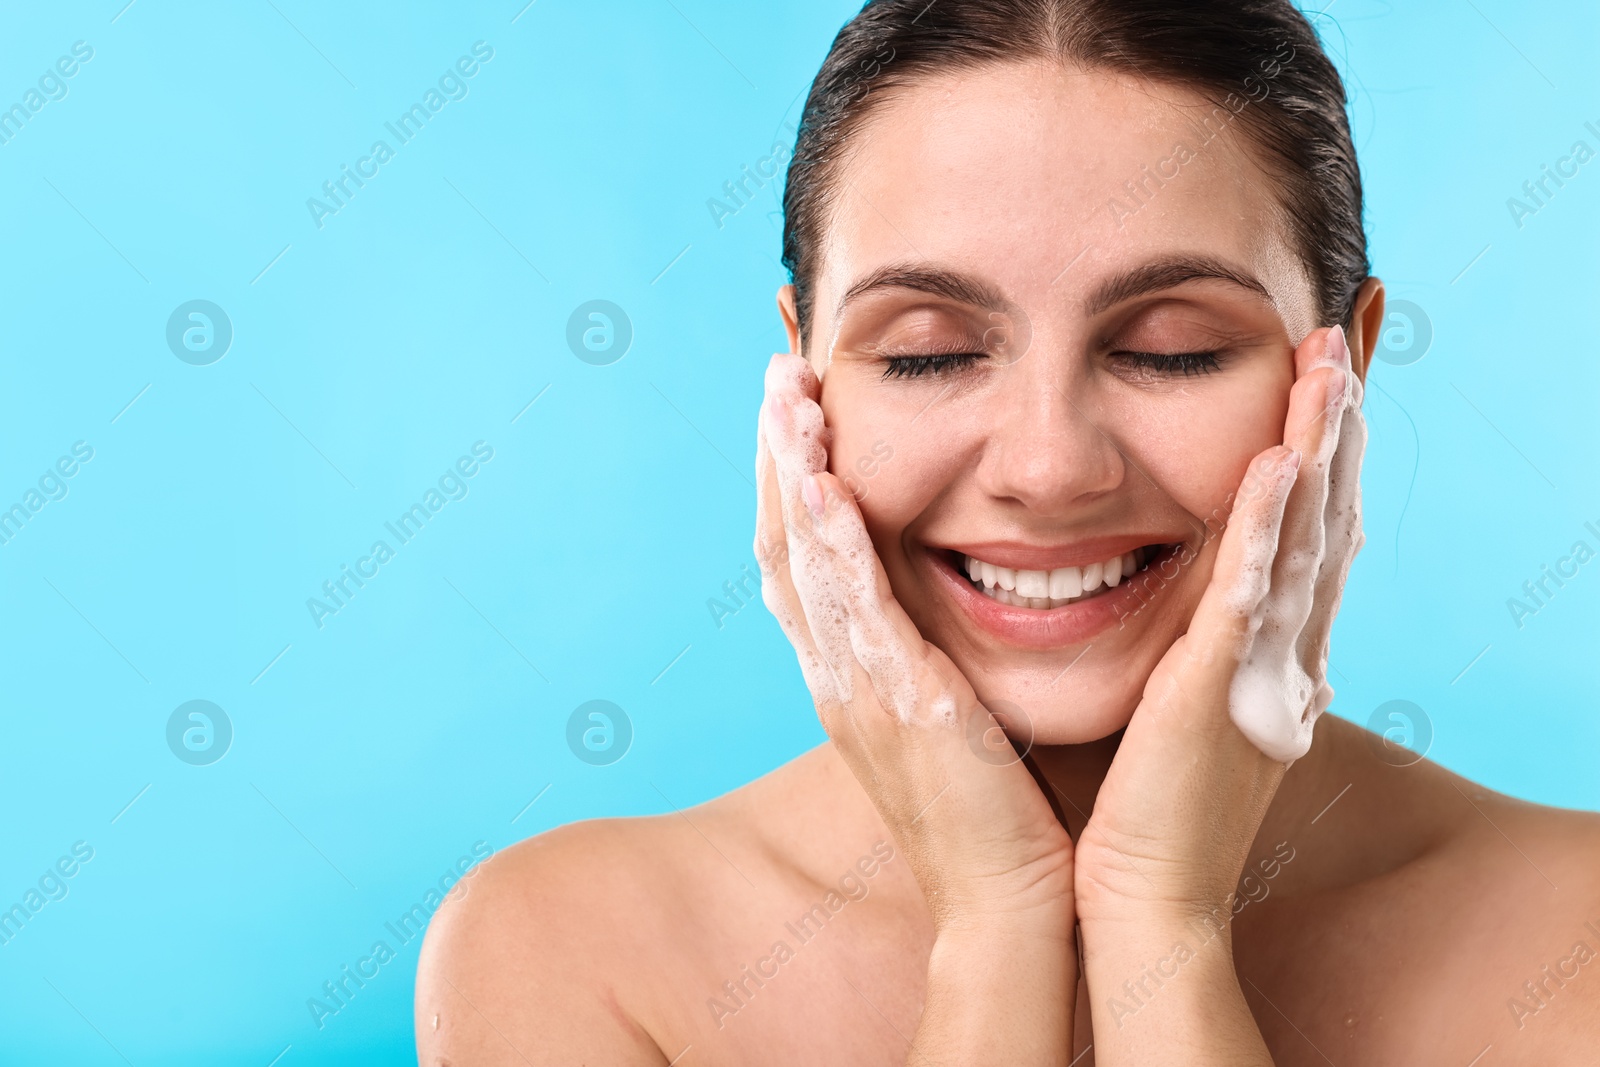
(1071, 649)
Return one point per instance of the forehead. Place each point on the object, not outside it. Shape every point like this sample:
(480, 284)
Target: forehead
(1046, 179)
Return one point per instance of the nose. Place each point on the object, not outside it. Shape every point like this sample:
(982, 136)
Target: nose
(1045, 448)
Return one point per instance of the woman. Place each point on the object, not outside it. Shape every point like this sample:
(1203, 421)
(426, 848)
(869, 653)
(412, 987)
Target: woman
(1068, 447)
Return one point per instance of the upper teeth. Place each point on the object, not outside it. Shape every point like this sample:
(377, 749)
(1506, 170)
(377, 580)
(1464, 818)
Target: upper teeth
(1049, 589)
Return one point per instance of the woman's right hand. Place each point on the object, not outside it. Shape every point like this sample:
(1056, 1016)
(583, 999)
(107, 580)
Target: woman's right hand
(993, 862)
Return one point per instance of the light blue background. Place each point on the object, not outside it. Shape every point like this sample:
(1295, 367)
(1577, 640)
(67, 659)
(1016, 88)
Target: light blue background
(432, 309)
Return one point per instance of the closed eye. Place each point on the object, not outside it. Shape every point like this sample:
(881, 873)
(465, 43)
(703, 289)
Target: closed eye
(1170, 363)
(939, 363)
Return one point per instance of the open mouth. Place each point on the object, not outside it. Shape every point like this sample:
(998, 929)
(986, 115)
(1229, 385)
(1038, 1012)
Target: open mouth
(1058, 588)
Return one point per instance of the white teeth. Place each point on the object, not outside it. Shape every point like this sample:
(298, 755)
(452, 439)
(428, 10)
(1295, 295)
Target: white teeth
(1051, 589)
(1033, 584)
(1066, 583)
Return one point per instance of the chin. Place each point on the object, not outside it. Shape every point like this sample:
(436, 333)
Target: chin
(1088, 703)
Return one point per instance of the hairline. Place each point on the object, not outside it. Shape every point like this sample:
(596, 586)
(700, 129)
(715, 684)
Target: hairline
(829, 174)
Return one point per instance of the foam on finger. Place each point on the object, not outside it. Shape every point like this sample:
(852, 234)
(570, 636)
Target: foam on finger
(834, 566)
(1271, 698)
(851, 586)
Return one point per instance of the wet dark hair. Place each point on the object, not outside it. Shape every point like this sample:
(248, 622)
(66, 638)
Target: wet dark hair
(1259, 59)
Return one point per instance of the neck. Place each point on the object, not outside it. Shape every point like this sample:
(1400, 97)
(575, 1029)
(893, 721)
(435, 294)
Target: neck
(1339, 806)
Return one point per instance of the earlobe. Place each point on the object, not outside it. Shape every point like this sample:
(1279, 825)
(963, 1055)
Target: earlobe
(791, 320)
(1366, 325)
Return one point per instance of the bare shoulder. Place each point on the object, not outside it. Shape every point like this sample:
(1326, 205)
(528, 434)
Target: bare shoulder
(549, 951)
(1524, 880)
(516, 963)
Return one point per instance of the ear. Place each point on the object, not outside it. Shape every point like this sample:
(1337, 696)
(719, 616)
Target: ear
(1366, 323)
(791, 320)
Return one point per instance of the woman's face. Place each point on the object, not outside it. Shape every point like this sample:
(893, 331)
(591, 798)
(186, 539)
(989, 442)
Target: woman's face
(1121, 302)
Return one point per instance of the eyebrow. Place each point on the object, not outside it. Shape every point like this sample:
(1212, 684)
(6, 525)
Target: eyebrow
(1167, 274)
(936, 281)
(1153, 277)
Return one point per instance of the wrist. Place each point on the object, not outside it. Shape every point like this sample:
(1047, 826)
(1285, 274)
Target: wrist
(1206, 910)
(1168, 983)
(1132, 941)
(1007, 934)
(975, 921)
(998, 993)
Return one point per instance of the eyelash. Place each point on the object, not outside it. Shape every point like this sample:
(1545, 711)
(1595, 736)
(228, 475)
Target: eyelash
(1184, 363)
(916, 366)
(1181, 363)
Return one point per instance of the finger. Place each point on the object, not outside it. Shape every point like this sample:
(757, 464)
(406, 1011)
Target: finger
(771, 537)
(791, 384)
(772, 558)
(795, 437)
(796, 433)
(1343, 534)
(1316, 408)
(1266, 700)
(1230, 611)
(789, 375)
(883, 638)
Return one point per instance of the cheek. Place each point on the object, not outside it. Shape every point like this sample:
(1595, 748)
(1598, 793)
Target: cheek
(1197, 447)
(895, 462)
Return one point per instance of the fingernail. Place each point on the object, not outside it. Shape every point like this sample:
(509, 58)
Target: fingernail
(779, 409)
(811, 489)
(1291, 461)
(1338, 347)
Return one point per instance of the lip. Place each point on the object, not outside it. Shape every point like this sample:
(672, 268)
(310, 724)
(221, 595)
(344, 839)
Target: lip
(1046, 628)
(1025, 557)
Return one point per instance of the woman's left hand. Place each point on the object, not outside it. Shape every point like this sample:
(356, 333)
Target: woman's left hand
(1157, 866)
